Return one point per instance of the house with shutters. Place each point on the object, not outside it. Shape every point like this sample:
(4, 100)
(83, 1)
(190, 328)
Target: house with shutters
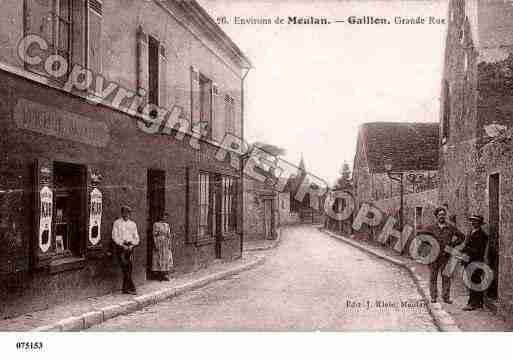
(410, 149)
(476, 148)
(105, 103)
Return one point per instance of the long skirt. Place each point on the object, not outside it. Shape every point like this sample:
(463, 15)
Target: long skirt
(162, 254)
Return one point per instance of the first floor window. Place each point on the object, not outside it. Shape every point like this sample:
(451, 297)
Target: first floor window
(229, 204)
(205, 101)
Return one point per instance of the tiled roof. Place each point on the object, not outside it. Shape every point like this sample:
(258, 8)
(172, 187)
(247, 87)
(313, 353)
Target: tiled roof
(408, 146)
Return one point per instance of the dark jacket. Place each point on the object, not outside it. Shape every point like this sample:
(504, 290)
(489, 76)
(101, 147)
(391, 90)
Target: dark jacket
(445, 236)
(476, 245)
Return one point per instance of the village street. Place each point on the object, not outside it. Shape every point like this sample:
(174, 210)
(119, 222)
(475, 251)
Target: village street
(311, 281)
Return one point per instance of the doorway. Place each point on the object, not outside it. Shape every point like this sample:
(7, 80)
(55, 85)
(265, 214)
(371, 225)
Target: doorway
(156, 207)
(69, 204)
(494, 221)
(268, 218)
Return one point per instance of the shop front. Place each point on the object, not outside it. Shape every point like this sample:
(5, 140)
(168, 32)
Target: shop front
(67, 167)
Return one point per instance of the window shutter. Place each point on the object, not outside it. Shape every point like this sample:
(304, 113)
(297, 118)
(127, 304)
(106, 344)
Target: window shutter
(195, 97)
(44, 248)
(95, 15)
(192, 200)
(217, 121)
(38, 20)
(162, 77)
(142, 62)
(95, 241)
(229, 114)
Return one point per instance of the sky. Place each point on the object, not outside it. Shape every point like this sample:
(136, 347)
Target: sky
(313, 85)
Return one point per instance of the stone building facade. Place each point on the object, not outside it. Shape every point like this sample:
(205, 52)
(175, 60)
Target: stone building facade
(475, 119)
(71, 156)
(410, 149)
(261, 213)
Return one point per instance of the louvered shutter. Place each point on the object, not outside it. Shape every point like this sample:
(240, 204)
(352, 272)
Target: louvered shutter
(192, 203)
(195, 97)
(44, 248)
(95, 14)
(217, 120)
(142, 63)
(39, 20)
(163, 101)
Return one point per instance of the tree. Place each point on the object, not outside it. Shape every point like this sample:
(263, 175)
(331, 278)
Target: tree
(344, 182)
(270, 149)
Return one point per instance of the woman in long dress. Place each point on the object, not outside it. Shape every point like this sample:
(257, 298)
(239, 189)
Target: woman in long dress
(162, 248)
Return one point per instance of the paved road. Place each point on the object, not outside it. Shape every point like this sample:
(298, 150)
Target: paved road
(311, 281)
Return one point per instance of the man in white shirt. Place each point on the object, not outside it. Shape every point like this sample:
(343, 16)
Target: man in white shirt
(125, 236)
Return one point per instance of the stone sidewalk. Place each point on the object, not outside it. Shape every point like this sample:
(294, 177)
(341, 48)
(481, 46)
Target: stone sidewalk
(262, 244)
(448, 317)
(83, 314)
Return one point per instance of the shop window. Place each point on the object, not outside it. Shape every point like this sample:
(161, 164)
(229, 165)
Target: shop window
(229, 204)
(69, 218)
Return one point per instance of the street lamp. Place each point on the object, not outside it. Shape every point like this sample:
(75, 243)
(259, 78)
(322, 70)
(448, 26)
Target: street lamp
(399, 178)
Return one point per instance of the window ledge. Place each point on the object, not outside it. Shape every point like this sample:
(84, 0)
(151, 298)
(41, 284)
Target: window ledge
(205, 241)
(230, 236)
(65, 264)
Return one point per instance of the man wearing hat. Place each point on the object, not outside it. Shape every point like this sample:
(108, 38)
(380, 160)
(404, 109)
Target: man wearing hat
(447, 235)
(125, 236)
(475, 250)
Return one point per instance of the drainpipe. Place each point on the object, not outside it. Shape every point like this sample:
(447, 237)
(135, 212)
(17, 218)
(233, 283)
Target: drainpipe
(242, 159)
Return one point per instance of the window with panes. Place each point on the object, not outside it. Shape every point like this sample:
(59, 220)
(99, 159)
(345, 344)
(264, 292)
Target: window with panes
(229, 204)
(206, 205)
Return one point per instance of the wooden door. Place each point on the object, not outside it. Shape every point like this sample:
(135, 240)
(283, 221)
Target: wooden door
(156, 207)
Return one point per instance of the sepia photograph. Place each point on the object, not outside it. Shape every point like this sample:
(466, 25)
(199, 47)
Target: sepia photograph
(200, 167)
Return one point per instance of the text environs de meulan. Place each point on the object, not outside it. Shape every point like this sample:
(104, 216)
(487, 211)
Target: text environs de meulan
(289, 20)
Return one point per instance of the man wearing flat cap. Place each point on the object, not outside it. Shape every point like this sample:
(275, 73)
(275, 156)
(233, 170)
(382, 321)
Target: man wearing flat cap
(125, 237)
(475, 249)
(447, 235)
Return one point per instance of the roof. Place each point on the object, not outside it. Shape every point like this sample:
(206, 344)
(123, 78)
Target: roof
(408, 146)
(203, 19)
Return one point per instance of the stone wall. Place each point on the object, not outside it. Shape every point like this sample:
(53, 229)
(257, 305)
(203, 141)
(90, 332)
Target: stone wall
(256, 194)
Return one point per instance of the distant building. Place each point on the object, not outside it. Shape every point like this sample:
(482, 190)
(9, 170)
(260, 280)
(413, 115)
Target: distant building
(410, 148)
(261, 213)
(476, 147)
(308, 209)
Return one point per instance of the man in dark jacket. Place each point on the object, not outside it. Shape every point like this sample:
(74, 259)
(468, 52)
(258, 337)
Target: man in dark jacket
(446, 235)
(475, 250)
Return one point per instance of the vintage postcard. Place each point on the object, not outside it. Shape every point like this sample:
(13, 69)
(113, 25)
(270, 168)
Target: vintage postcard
(255, 166)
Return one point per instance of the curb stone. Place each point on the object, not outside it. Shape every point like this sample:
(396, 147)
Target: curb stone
(442, 319)
(93, 318)
(272, 246)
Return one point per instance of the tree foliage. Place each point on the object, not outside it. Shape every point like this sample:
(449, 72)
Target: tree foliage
(344, 182)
